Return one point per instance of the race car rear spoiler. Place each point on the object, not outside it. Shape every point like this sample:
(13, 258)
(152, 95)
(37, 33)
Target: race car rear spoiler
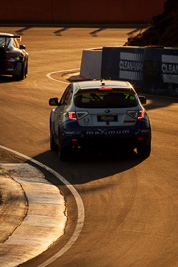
(11, 36)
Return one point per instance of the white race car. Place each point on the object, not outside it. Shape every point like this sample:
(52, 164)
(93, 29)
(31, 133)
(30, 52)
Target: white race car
(99, 113)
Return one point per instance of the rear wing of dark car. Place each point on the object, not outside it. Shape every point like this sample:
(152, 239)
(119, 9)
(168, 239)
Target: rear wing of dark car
(10, 36)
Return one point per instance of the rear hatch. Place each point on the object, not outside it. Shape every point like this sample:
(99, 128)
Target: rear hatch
(106, 107)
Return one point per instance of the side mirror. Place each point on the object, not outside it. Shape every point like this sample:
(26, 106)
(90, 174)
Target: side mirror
(22, 47)
(142, 99)
(53, 101)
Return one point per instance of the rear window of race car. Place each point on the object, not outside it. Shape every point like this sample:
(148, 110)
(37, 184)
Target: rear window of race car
(105, 98)
(4, 42)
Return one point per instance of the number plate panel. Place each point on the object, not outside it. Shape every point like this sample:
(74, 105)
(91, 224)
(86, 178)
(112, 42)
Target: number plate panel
(104, 118)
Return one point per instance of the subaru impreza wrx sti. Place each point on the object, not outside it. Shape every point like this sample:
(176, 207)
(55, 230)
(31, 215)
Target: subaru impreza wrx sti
(99, 114)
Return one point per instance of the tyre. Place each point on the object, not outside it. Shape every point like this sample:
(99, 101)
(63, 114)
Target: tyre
(26, 69)
(63, 151)
(23, 73)
(53, 145)
(144, 150)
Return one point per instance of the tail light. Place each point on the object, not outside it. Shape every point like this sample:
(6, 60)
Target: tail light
(72, 115)
(136, 114)
(105, 89)
(141, 114)
(76, 115)
(12, 58)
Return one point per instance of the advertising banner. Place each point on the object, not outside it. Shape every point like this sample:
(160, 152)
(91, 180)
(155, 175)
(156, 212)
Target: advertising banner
(160, 71)
(123, 63)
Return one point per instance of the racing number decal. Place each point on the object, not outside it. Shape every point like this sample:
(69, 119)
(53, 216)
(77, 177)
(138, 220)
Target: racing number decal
(127, 96)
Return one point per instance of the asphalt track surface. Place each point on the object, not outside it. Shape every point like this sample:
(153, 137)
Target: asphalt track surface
(130, 204)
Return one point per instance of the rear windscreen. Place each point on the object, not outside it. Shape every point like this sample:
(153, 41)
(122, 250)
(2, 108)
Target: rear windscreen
(4, 41)
(105, 99)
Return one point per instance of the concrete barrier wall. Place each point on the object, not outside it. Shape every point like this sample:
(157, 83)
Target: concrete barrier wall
(153, 69)
(91, 64)
(79, 11)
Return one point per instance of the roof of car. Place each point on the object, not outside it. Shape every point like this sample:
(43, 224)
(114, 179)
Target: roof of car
(104, 84)
(6, 34)
(2, 34)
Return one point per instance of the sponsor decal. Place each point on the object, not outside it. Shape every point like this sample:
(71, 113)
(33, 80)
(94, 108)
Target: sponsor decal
(131, 66)
(137, 131)
(169, 69)
(71, 132)
(107, 132)
(145, 131)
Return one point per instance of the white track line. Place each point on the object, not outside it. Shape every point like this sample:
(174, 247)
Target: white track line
(49, 75)
(79, 202)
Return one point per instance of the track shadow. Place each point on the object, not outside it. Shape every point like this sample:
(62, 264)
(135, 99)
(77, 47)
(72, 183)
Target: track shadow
(84, 167)
(94, 33)
(58, 33)
(135, 32)
(21, 31)
(7, 79)
(159, 102)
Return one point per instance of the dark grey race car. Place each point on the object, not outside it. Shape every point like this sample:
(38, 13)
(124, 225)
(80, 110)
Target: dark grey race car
(13, 57)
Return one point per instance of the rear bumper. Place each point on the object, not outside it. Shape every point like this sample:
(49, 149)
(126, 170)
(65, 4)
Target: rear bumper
(13, 68)
(120, 137)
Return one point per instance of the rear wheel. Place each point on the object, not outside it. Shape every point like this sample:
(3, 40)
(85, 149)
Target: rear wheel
(53, 145)
(144, 150)
(26, 68)
(63, 151)
(24, 72)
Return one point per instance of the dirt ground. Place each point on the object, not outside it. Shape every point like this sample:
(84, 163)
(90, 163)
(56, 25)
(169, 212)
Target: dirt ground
(162, 31)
